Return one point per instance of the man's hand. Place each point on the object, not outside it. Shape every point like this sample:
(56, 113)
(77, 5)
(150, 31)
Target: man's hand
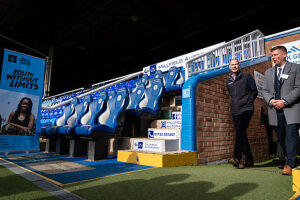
(278, 104)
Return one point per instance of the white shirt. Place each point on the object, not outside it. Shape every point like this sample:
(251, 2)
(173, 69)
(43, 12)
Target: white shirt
(282, 69)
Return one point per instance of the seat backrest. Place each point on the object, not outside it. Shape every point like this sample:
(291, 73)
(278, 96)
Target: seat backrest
(136, 97)
(68, 111)
(80, 110)
(181, 79)
(95, 108)
(158, 75)
(171, 77)
(153, 95)
(143, 80)
(115, 106)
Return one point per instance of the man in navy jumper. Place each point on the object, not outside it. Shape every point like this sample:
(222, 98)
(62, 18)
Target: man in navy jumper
(243, 91)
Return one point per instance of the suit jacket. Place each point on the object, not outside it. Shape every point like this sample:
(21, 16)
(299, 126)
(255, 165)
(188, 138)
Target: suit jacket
(290, 92)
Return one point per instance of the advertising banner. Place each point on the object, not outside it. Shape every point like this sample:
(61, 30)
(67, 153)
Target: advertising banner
(21, 90)
(163, 133)
(179, 61)
(259, 80)
(293, 49)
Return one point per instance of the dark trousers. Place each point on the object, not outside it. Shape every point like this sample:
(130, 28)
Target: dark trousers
(288, 137)
(241, 145)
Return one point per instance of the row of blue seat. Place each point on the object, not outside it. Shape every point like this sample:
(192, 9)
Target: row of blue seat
(96, 119)
(103, 115)
(174, 79)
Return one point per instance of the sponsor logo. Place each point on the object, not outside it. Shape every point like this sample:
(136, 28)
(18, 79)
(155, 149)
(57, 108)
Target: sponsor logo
(150, 134)
(152, 69)
(162, 134)
(293, 49)
(294, 55)
(176, 115)
(25, 61)
(12, 58)
(140, 145)
(22, 61)
(146, 70)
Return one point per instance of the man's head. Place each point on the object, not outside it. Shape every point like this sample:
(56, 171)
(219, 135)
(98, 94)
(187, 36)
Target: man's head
(279, 54)
(234, 65)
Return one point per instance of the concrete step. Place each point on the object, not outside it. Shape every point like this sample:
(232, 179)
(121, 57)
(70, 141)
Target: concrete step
(166, 123)
(154, 145)
(164, 133)
(157, 159)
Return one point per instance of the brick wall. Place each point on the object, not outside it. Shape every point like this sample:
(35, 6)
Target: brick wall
(279, 41)
(215, 131)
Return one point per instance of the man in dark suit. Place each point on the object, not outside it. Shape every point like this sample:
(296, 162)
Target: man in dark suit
(281, 90)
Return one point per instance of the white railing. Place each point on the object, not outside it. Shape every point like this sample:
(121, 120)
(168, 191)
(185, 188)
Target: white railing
(247, 47)
(64, 93)
(116, 81)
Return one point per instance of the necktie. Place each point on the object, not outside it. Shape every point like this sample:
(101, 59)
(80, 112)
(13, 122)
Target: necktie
(279, 73)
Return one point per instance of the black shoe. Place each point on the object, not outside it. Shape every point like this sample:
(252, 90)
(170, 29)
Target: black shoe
(234, 161)
(281, 164)
(248, 164)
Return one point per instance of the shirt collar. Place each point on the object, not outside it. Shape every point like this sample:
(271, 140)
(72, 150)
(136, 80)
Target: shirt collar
(282, 66)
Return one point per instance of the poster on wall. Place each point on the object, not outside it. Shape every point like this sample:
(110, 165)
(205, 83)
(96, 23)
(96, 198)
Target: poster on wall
(21, 90)
(293, 49)
(259, 80)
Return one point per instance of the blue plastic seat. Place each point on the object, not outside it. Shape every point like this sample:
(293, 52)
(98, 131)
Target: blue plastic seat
(174, 79)
(180, 81)
(74, 120)
(135, 98)
(171, 78)
(143, 80)
(150, 103)
(89, 120)
(68, 111)
(112, 119)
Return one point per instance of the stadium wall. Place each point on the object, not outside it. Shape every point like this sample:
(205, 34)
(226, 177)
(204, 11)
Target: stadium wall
(215, 131)
(214, 128)
(281, 38)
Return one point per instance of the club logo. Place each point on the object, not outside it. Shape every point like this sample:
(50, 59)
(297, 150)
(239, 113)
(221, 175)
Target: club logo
(150, 134)
(140, 145)
(12, 58)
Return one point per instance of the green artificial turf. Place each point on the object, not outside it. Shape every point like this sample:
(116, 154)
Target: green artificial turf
(14, 187)
(262, 182)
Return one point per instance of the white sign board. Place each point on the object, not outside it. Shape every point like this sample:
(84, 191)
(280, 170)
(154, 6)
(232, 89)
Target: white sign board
(176, 115)
(293, 49)
(259, 80)
(170, 123)
(163, 133)
(147, 145)
(179, 61)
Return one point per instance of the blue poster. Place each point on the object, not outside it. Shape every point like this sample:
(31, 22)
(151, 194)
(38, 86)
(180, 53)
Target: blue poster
(21, 91)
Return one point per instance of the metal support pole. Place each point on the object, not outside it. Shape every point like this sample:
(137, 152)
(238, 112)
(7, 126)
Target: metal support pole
(47, 82)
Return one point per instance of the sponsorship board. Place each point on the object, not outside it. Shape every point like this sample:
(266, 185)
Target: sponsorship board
(163, 133)
(293, 49)
(21, 91)
(176, 115)
(186, 93)
(179, 61)
(147, 145)
(170, 123)
(259, 80)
